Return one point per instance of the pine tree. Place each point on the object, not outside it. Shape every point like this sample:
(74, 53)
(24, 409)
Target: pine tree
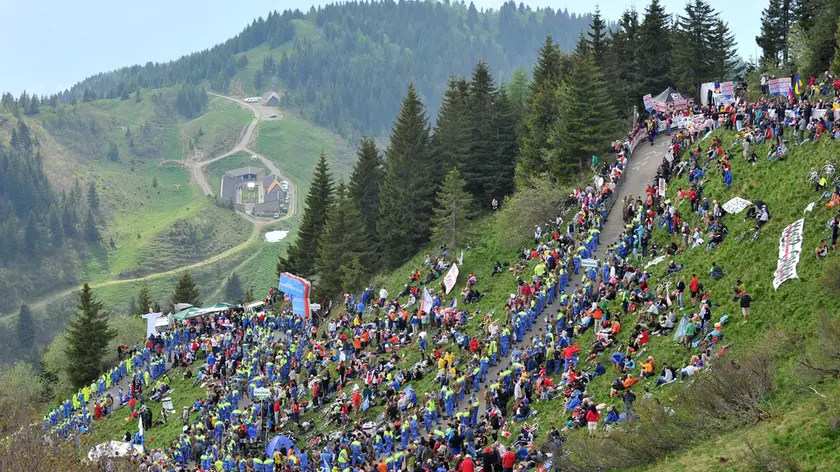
(770, 41)
(453, 212)
(505, 149)
(56, 227)
(9, 239)
(541, 115)
(144, 300)
(355, 276)
(93, 197)
(587, 120)
(476, 164)
(186, 291)
(404, 216)
(30, 237)
(623, 71)
(88, 336)
(363, 188)
(724, 52)
(519, 93)
(69, 218)
(137, 96)
(91, 232)
(654, 51)
(596, 39)
(154, 182)
(113, 153)
(691, 63)
(548, 67)
(132, 306)
(25, 334)
(301, 257)
(233, 288)
(343, 240)
(450, 141)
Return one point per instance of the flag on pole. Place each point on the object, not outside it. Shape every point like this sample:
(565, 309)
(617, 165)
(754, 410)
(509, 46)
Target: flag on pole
(426, 304)
(799, 85)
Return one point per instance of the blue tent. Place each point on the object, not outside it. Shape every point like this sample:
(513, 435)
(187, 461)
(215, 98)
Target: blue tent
(277, 443)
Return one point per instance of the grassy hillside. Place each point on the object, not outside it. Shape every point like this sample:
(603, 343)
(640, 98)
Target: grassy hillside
(294, 145)
(156, 217)
(216, 131)
(800, 428)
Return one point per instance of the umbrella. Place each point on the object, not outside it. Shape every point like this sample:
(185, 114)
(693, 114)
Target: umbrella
(187, 314)
(277, 443)
(216, 308)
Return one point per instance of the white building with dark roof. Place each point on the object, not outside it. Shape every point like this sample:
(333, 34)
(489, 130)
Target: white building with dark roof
(253, 192)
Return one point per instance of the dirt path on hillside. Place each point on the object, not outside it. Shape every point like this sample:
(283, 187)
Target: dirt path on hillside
(641, 171)
(197, 172)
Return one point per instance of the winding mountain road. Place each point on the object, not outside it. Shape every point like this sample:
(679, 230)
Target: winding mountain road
(197, 173)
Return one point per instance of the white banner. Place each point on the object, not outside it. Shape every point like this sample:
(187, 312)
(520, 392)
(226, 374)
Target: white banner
(736, 205)
(426, 304)
(451, 278)
(261, 392)
(655, 261)
(790, 247)
(589, 262)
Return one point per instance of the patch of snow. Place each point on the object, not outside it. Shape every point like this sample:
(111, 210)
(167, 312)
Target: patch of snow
(276, 235)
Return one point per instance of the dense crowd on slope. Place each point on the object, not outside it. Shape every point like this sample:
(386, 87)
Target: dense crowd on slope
(354, 364)
(355, 361)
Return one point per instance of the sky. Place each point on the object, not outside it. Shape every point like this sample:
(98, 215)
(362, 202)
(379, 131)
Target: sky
(48, 45)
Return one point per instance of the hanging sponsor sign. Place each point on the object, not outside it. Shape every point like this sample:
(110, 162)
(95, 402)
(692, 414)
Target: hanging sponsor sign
(451, 278)
(297, 289)
(790, 247)
(648, 100)
(736, 205)
(727, 89)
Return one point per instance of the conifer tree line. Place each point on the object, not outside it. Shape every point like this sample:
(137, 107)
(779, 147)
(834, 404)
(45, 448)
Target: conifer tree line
(366, 44)
(436, 176)
(800, 36)
(35, 221)
(426, 187)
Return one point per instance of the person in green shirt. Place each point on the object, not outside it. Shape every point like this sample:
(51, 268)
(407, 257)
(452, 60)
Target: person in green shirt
(690, 332)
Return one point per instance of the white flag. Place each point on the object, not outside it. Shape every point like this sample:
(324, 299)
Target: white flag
(451, 278)
(426, 304)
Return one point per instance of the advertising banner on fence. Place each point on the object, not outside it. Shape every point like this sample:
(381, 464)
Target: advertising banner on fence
(297, 289)
(451, 278)
(648, 99)
(790, 246)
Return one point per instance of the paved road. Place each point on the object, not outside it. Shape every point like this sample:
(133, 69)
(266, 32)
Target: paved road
(641, 171)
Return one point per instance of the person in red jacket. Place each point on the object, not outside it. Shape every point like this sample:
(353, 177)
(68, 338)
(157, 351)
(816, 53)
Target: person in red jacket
(569, 356)
(467, 465)
(592, 418)
(508, 461)
(694, 286)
